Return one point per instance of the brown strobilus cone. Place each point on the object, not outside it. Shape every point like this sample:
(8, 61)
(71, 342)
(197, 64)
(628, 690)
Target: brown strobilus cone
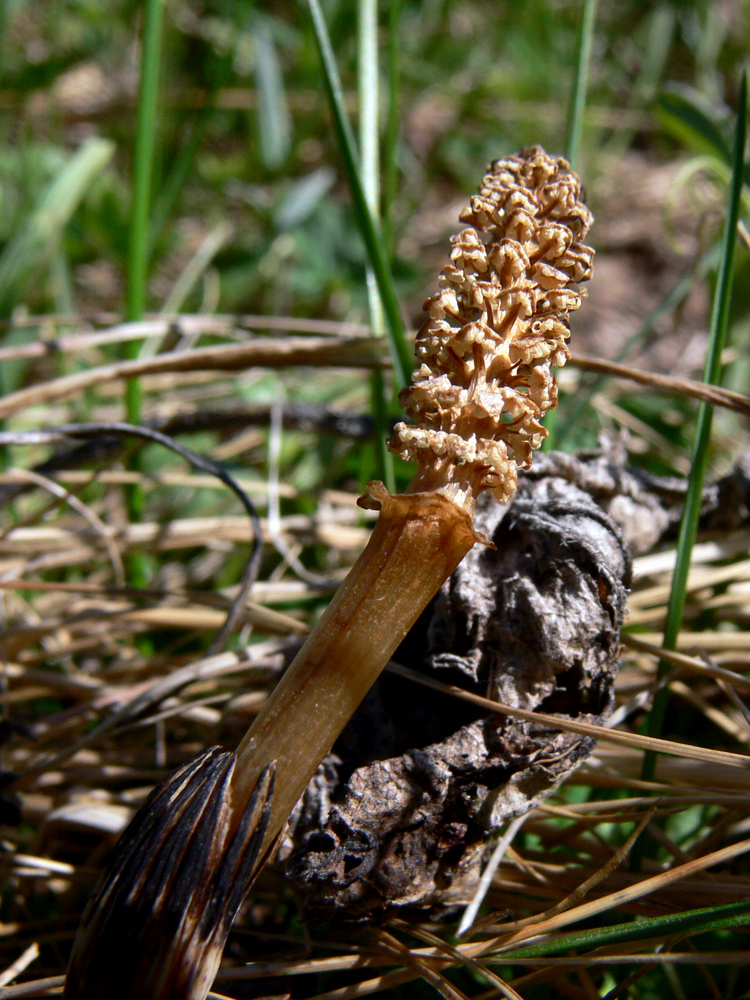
(157, 923)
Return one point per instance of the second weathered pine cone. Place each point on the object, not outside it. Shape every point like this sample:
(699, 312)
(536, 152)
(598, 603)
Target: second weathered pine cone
(495, 329)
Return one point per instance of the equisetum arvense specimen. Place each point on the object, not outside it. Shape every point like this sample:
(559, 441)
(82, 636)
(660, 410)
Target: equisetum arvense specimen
(495, 329)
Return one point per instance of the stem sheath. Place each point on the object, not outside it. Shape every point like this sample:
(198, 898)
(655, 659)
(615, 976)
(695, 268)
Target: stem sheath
(418, 541)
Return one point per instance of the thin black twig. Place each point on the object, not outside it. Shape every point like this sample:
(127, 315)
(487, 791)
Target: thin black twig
(296, 416)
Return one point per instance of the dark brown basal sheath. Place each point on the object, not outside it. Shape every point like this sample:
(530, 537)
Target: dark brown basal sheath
(495, 329)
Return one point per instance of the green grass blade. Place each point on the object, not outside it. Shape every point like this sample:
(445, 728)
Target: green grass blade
(580, 86)
(139, 236)
(179, 173)
(369, 101)
(143, 161)
(717, 340)
(369, 144)
(659, 41)
(274, 122)
(390, 151)
(403, 361)
(574, 132)
(139, 242)
(31, 248)
(689, 123)
(711, 918)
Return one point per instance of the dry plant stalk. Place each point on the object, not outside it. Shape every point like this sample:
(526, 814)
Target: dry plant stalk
(496, 327)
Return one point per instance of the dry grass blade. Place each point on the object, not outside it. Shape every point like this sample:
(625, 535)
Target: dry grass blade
(350, 352)
(368, 986)
(232, 327)
(49, 986)
(610, 902)
(341, 352)
(461, 959)
(135, 700)
(634, 740)
(498, 852)
(89, 516)
(20, 964)
(666, 383)
(690, 663)
(102, 430)
(443, 986)
(593, 880)
(53, 986)
(193, 616)
(709, 641)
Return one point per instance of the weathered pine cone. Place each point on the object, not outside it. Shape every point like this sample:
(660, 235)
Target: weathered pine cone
(495, 329)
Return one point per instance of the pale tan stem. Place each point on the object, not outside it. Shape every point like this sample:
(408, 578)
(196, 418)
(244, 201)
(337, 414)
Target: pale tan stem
(418, 541)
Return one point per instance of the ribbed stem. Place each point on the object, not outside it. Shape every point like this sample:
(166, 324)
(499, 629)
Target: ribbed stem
(417, 542)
